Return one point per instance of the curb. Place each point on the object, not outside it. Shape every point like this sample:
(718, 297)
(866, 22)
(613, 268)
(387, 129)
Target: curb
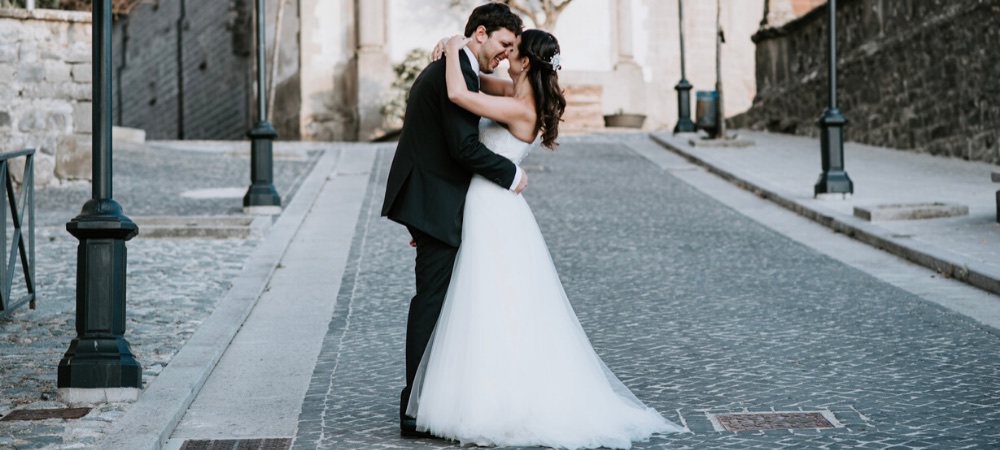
(947, 263)
(149, 422)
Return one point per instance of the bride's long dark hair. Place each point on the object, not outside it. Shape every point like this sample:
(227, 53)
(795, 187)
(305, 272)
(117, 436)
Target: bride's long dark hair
(542, 50)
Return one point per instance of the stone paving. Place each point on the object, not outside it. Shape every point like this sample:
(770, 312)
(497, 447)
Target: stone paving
(173, 284)
(698, 309)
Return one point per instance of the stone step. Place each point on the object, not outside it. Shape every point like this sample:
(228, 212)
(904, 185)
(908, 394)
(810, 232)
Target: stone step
(583, 107)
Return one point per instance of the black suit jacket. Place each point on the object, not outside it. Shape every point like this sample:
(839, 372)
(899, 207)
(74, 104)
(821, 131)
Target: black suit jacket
(437, 154)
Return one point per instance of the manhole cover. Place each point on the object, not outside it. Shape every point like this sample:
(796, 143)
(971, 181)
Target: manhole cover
(42, 414)
(239, 444)
(773, 421)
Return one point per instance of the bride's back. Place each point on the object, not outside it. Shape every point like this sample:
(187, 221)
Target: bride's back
(499, 139)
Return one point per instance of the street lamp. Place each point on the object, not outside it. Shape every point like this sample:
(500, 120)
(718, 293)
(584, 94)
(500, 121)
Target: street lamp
(684, 123)
(100, 357)
(833, 180)
(261, 197)
(720, 38)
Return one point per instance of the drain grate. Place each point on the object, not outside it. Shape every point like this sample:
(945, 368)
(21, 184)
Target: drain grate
(42, 414)
(239, 444)
(773, 421)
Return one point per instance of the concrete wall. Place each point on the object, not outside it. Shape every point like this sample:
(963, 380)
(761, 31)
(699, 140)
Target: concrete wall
(328, 71)
(912, 75)
(45, 90)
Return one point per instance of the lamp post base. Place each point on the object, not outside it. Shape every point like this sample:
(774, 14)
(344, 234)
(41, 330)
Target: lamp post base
(100, 357)
(99, 362)
(833, 185)
(684, 123)
(94, 396)
(261, 192)
(262, 197)
(262, 210)
(843, 196)
(833, 179)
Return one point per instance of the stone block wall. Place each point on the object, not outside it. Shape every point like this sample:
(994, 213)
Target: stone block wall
(45, 90)
(914, 75)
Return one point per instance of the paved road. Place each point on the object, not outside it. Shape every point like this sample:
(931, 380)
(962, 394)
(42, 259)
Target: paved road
(697, 308)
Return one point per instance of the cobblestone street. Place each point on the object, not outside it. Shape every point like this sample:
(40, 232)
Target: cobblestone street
(776, 221)
(698, 309)
(172, 284)
(702, 298)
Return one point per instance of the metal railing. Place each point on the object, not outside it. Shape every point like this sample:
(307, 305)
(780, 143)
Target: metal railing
(20, 203)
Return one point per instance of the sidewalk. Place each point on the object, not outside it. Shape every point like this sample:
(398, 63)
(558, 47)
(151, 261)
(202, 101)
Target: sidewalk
(784, 168)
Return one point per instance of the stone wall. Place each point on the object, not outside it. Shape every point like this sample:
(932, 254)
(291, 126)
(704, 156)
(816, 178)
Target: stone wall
(45, 90)
(915, 75)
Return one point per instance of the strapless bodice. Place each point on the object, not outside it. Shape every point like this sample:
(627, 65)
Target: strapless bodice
(498, 139)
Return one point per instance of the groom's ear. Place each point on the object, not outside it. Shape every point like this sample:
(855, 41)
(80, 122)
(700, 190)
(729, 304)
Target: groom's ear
(480, 34)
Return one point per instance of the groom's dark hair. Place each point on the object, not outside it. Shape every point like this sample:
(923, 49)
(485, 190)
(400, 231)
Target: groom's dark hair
(493, 16)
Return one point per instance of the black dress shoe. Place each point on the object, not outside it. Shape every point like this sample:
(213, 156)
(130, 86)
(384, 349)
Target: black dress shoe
(408, 429)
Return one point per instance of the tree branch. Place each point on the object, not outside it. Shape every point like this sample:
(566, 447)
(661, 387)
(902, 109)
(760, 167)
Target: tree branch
(523, 9)
(560, 7)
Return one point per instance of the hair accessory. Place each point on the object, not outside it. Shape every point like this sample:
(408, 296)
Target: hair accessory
(554, 61)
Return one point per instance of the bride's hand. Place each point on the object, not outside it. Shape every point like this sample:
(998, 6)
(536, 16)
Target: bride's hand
(456, 43)
(438, 51)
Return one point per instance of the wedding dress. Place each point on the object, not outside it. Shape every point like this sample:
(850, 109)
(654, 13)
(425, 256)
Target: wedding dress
(508, 363)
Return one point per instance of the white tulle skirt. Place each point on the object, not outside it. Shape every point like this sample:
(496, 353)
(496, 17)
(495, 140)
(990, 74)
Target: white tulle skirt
(508, 363)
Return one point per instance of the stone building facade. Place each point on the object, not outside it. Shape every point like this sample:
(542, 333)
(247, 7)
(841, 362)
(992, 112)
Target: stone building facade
(185, 69)
(336, 56)
(45, 90)
(619, 55)
(916, 75)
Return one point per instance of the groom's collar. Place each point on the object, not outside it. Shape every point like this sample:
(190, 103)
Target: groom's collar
(472, 60)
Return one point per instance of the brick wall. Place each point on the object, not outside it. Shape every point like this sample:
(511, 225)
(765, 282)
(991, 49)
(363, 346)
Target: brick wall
(915, 75)
(45, 90)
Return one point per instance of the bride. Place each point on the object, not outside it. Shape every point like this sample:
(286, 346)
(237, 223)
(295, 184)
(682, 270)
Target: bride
(508, 363)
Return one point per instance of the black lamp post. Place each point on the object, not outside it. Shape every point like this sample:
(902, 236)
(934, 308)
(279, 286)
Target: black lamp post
(834, 179)
(100, 357)
(684, 123)
(261, 197)
(720, 38)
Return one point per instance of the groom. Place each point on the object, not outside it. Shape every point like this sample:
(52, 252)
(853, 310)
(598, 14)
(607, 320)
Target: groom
(437, 154)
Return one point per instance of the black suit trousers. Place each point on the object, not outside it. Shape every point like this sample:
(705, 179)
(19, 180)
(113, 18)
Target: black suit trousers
(434, 265)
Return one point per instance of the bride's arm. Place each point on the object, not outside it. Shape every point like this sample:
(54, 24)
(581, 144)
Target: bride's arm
(488, 84)
(496, 86)
(501, 109)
